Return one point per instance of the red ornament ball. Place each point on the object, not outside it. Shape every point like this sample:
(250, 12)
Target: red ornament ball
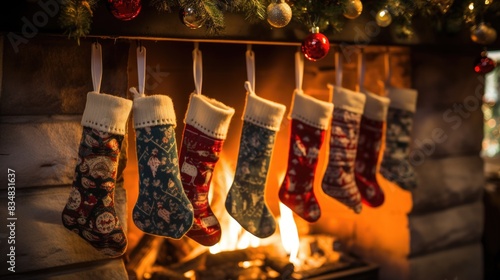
(124, 9)
(315, 46)
(484, 64)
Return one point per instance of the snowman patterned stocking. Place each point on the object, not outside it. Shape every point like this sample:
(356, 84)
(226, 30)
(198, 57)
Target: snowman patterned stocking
(369, 148)
(162, 207)
(309, 120)
(396, 165)
(90, 210)
(206, 125)
(245, 200)
(339, 181)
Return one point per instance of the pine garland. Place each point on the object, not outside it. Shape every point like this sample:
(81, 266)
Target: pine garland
(76, 17)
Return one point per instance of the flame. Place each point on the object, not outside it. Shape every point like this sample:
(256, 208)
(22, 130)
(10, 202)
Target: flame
(289, 233)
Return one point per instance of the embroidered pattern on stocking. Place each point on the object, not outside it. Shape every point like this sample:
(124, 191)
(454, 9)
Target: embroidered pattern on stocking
(297, 191)
(339, 181)
(396, 165)
(198, 157)
(162, 208)
(90, 210)
(369, 144)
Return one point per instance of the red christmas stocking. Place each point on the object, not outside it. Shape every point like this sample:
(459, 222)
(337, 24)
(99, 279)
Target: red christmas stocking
(310, 119)
(207, 122)
(338, 181)
(90, 210)
(369, 149)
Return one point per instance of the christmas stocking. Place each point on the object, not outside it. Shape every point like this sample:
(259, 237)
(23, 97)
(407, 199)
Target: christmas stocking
(395, 165)
(162, 207)
(369, 148)
(245, 200)
(310, 119)
(207, 122)
(90, 210)
(338, 181)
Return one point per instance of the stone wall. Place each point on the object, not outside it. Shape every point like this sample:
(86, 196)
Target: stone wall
(43, 96)
(446, 222)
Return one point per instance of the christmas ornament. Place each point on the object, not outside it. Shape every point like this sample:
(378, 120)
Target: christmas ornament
(383, 18)
(124, 9)
(353, 9)
(369, 148)
(395, 164)
(162, 207)
(339, 180)
(310, 118)
(483, 34)
(191, 18)
(206, 126)
(315, 46)
(279, 13)
(484, 64)
(90, 210)
(245, 200)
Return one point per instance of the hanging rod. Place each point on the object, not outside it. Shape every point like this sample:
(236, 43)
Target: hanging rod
(199, 40)
(333, 46)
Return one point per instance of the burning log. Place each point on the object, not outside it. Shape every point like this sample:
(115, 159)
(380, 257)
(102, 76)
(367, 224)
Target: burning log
(281, 265)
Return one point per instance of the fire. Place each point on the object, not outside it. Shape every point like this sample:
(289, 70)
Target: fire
(234, 237)
(289, 233)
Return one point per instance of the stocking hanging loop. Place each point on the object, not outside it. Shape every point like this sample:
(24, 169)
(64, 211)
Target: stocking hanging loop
(299, 70)
(361, 70)
(197, 68)
(250, 62)
(141, 68)
(96, 66)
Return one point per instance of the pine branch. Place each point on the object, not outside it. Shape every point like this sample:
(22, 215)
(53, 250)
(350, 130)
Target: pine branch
(214, 17)
(254, 10)
(76, 17)
(164, 5)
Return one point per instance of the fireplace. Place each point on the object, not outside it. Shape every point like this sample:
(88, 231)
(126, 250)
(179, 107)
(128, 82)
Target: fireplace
(327, 246)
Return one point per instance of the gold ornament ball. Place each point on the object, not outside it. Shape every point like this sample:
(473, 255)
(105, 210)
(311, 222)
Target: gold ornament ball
(383, 18)
(483, 34)
(279, 14)
(190, 18)
(353, 9)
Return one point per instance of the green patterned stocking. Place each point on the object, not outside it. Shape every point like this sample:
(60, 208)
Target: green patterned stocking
(162, 207)
(245, 201)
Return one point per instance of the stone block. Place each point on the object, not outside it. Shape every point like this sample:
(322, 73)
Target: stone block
(445, 229)
(52, 75)
(465, 262)
(441, 132)
(447, 182)
(42, 150)
(41, 239)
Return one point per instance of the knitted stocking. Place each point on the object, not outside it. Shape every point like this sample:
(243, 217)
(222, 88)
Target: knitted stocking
(245, 200)
(162, 207)
(338, 181)
(309, 120)
(395, 165)
(90, 210)
(369, 148)
(207, 122)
